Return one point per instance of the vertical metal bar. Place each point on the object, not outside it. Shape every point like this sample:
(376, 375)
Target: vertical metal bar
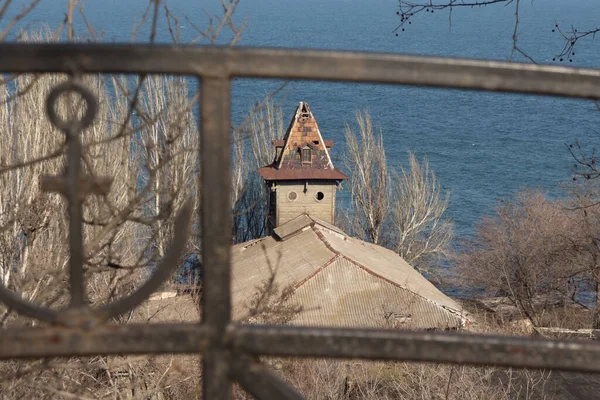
(75, 218)
(216, 233)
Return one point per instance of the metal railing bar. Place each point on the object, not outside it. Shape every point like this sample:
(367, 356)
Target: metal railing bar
(16, 303)
(216, 232)
(75, 209)
(418, 71)
(229, 350)
(52, 341)
(228, 62)
(518, 352)
(260, 381)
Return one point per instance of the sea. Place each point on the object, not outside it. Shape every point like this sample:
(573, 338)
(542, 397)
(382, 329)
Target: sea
(482, 146)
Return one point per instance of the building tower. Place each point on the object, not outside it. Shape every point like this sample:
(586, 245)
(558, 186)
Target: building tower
(302, 178)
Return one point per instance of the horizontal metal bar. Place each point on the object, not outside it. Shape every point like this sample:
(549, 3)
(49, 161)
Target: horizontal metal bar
(53, 341)
(226, 62)
(518, 352)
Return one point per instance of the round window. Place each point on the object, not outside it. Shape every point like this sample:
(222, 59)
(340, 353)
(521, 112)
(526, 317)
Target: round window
(320, 196)
(292, 196)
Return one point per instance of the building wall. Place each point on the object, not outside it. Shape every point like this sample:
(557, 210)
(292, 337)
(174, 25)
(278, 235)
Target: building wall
(289, 208)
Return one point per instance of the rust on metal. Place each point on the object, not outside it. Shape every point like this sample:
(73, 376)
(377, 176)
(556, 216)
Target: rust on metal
(382, 344)
(58, 341)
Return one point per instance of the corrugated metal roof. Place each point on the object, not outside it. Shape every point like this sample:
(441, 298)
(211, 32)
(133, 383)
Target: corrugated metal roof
(301, 222)
(340, 281)
(293, 226)
(327, 225)
(388, 265)
(343, 294)
(292, 261)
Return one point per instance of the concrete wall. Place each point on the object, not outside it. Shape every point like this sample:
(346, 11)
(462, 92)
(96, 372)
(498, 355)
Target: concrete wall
(288, 208)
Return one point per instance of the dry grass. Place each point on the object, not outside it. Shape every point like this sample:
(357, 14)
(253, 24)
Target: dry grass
(180, 377)
(131, 377)
(345, 380)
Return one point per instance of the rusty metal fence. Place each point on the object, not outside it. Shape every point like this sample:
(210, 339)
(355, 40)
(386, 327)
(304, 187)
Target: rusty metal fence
(230, 351)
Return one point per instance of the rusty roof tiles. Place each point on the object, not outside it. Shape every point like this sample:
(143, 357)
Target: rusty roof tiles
(303, 131)
(302, 135)
(281, 143)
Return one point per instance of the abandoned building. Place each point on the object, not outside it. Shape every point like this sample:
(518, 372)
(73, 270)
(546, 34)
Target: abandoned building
(336, 279)
(302, 178)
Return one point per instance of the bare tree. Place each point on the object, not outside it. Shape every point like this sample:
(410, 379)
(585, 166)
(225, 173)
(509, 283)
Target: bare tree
(524, 252)
(171, 150)
(419, 205)
(252, 149)
(404, 213)
(369, 179)
(584, 209)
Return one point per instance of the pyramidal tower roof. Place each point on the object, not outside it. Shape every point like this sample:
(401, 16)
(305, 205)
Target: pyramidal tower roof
(302, 154)
(304, 131)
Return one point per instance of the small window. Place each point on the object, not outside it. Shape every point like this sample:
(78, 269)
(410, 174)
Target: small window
(320, 196)
(292, 196)
(306, 156)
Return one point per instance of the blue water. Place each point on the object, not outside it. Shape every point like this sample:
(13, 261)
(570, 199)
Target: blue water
(482, 146)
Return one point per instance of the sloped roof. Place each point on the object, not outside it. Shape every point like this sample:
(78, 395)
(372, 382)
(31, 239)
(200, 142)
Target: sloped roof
(303, 132)
(339, 280)
(358, 298)
(270, 173)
